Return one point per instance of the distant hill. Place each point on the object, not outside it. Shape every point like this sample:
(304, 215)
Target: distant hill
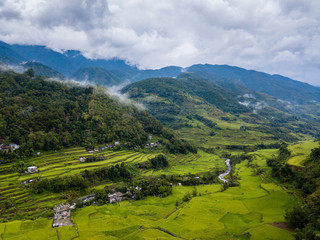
(275, 85)
(97, 75)
(177, 88)
(67, 62)
(42, 70)
(171, 71)
(196, 107)
(9, 56)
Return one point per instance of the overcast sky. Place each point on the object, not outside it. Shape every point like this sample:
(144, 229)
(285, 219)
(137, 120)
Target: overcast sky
(275, 36)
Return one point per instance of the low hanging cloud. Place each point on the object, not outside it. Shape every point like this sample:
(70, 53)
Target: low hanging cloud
(268, 35)
(113, 91)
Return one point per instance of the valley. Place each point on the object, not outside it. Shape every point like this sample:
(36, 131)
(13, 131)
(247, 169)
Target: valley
(203, 152)
(239, 212)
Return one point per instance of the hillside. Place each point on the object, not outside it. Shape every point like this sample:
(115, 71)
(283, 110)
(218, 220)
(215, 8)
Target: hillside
(209, 115)
(42, 70)
(44, 115)
(97, 75)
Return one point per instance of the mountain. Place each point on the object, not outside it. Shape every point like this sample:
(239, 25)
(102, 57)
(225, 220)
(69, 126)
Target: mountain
(64, 62)
(97, 75)
(114, 71)
(42, 70)
(207, 114)
(67, 62)
(46, 115)
(171, 71)
(275, 85)
(9, 56)
(176, 88)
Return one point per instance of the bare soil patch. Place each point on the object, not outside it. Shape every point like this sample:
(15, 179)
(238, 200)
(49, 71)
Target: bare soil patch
(283, 225)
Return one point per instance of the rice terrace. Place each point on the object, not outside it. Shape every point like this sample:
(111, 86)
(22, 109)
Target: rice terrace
(239, 212)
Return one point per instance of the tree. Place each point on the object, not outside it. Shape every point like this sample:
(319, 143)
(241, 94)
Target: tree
(30, 72)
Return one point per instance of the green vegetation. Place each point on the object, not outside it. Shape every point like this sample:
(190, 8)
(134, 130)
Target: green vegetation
(159, 161)
(305, 183)
(300, 151)
(41, 115)
(209, 116)
(97, 75)
(242, 212)
(42, 70)
(146, 182)
(18, 199)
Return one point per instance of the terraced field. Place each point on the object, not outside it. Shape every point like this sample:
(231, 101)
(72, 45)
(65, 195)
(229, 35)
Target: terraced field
(16, 197)
(244, 212)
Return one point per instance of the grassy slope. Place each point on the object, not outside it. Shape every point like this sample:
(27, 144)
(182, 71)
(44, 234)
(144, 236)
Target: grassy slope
(232, 214)
(300, 151)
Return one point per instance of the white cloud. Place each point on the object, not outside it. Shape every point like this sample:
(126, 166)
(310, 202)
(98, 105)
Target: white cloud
(268, 35)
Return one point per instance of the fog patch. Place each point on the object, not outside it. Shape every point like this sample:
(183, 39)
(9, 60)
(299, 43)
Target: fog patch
(255, 105)
(248, 95)
(15, 68)
(245, 103)
(114, 92)
(72, 82)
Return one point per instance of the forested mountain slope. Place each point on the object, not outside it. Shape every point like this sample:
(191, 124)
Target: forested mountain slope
(40, 114)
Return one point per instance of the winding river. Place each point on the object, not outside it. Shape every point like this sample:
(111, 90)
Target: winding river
(222, 175)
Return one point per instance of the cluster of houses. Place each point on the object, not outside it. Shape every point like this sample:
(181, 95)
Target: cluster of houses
(115, 144)
(62, 215)
(115, 197)
(151, 145)
(100, 149)
(9, 147)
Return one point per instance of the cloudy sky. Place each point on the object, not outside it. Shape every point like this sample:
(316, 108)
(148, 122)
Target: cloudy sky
(275, 36)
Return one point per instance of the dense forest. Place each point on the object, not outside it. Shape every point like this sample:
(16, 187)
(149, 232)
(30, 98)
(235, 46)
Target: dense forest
(38, 114)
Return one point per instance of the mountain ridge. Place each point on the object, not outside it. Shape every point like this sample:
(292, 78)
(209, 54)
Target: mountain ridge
(71, 61)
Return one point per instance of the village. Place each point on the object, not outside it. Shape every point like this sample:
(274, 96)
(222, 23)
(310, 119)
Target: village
(62, 211)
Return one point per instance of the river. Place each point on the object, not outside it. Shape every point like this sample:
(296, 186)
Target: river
(222, 175)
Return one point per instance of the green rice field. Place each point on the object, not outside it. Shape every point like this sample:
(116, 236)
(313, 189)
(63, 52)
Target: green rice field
(243, 212)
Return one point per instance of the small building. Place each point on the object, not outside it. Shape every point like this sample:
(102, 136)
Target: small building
(32, 169)
(13, 146)
(82, 159)
(116, 143)
(149, 137)
(27, 181)
(38, 153)
(115, 197)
